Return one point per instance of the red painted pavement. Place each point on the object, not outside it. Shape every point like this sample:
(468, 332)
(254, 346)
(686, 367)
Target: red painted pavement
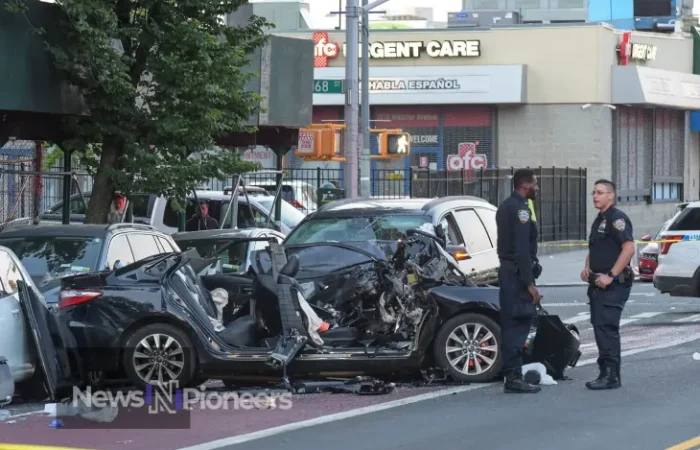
(205, 425)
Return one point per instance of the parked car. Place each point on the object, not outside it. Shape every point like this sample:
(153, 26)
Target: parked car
(649, 255)
(299, 194)
(678, 272)
(469, 224)
(51, 252)
(21, 306)
(160, 212)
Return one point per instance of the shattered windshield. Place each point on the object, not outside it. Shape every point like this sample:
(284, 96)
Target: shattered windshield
(55, 256)
(355, 229)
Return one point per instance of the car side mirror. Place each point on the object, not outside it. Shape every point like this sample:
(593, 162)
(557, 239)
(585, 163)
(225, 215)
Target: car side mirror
(459, 253)
(118, 264)
(646, 238)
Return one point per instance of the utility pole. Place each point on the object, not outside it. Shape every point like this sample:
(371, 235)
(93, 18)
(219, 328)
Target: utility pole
(352, 99)
(365, 165)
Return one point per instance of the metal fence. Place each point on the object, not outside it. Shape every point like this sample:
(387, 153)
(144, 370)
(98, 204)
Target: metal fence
(560, 206)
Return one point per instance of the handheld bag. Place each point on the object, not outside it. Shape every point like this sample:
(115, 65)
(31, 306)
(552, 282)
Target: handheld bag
(556, 344)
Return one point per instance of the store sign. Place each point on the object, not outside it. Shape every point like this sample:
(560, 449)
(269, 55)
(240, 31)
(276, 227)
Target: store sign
(633, 51)
(413, 84)
(324, 49)
(467, 159)
(422, 139)
(416, 49)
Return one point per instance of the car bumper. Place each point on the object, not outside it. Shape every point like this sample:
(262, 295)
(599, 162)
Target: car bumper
(676, 286)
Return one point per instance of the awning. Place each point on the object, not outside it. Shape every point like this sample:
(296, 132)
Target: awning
(422, 85)
(636, 85)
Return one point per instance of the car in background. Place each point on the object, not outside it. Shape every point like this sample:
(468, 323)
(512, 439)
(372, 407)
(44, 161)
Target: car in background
(678, 272)
(161, 213)
(51, 252)
(300, 194)
(649, 255)
(469, 225)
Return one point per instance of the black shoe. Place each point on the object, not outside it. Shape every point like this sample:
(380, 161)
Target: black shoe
(608, 380)
(515, 384)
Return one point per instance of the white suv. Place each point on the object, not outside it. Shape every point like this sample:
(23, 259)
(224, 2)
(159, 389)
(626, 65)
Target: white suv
(678, 273)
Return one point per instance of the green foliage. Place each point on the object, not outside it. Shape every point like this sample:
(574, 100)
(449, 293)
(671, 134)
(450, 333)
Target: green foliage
(161, 80)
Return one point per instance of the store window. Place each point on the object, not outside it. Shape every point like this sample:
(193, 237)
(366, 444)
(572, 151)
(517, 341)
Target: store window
(649, 154)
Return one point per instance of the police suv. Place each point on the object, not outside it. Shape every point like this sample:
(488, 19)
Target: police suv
(678, 273)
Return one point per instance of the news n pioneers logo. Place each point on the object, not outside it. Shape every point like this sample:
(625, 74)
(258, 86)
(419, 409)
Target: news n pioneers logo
(467, 159)
(324, 49)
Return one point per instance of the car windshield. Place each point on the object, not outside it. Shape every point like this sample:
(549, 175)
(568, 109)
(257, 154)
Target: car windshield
(355, 229)
(290, 215)
(231, 260)
(55, 256)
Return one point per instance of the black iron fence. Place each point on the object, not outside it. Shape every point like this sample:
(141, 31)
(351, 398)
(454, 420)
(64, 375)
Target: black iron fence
(560, 206)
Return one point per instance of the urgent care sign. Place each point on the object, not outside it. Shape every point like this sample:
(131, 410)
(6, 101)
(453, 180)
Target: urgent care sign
(325, 50)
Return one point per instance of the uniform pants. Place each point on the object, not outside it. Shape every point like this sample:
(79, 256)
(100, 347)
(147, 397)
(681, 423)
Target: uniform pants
(606, 311)
(517, 314)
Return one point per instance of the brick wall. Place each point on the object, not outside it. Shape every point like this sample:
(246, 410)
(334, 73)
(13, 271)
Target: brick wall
(568, 135)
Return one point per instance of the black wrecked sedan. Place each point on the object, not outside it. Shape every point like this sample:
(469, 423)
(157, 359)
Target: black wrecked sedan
(411, 311)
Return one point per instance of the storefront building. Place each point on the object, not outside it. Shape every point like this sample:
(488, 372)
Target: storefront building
(563, 96)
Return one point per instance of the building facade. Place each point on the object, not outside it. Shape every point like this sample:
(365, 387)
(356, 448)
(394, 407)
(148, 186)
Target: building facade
(563, 96)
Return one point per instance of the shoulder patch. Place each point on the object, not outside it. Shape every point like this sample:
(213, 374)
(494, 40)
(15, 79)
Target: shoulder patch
(523, 215)
(619, 224)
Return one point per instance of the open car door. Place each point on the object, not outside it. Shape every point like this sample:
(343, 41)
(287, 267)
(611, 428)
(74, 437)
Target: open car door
(37, 319)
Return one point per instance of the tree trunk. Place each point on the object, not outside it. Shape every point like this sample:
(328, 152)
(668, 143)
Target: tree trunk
(103, 187)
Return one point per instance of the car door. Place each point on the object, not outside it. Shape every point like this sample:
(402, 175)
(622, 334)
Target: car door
(454, 237)
(484, 257)
(15, 344)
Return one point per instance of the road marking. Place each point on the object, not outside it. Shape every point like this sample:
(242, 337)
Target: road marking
(646, 315)
(581, 317)
(645, 294)
(685, 445)
(693, 318)
(634, 351)
(565, 304)
(332, 418)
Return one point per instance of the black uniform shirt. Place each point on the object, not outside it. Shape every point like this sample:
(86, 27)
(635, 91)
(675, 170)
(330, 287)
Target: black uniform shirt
(517, 235)
(609, 231)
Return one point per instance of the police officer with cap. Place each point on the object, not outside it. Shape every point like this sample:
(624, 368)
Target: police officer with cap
(610, 277)
(517, 250)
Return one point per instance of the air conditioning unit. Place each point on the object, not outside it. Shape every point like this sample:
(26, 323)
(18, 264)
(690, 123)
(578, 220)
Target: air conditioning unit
(483, 18)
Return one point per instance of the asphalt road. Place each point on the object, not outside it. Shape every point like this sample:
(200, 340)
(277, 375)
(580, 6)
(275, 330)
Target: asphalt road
(655, 409)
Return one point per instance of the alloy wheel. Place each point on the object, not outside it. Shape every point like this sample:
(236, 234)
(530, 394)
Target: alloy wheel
(159, 359)
(471, 348)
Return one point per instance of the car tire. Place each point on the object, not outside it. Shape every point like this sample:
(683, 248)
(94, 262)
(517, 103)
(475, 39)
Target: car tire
(475, 359)
(176, 362)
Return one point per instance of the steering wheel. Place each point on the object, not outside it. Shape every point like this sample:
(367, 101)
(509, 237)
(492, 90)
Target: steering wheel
(413, 231)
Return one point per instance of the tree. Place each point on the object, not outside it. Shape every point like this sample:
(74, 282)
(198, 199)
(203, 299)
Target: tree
(161, 80)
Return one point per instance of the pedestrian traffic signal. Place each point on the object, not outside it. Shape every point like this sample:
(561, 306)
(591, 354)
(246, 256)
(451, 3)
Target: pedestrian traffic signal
(394, 144)
(319, 143)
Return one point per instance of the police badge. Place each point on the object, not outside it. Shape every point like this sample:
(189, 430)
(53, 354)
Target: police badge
(619, 224)
(523, 215)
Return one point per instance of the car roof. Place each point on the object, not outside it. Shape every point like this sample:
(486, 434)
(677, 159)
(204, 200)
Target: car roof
(376, 206)
(72, 230)
(225, 233)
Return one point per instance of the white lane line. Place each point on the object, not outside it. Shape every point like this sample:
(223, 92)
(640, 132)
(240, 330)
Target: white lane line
(332, 418)
(582, 317)
(559, 305)
(693, 318)
(646, 315)
(645, 294)
(634, 351)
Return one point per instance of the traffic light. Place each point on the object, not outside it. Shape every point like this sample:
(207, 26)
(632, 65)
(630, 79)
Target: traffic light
(394, 144)
(319, 143)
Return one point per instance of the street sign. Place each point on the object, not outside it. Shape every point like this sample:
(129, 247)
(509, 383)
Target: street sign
(329, 87)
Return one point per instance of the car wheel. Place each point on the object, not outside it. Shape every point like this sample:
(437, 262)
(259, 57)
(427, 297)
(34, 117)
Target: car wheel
(159, 354)
(468, 347)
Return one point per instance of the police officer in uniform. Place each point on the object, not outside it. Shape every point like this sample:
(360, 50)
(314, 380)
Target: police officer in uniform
(610, 277)
(517, 250)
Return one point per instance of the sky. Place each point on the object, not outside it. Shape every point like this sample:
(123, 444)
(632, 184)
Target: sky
(323, 7)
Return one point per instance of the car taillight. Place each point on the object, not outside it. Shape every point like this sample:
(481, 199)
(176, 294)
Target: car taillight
(668, 241)
(72, 297)
(296, 204)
